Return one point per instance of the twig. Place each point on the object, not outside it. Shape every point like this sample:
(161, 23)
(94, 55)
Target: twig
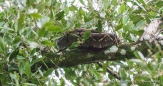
(114, 74)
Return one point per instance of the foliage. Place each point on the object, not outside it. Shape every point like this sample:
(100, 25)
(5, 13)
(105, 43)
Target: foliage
(30, 24)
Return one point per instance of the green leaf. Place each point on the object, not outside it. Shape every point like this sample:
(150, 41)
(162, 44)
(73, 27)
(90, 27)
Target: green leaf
(46, 42)
(128, 26)
(12, 76)
(1, 67)
(3, 46)
(30, 2)
(86, 34)
(17, 39)
(29, 84)
(33, 52)
(74, 44)
(123, 74)
(147, 20)
(145, 83)
(139, 24)
(97, 75)
(136, 18)
(136, 54)
(21, 68)
(41, 32)
(152, 14)
(104, 66)
(49, 71)
(69, 73)
(62, 82)
(35, 15)
(118, 27)
(66, 10)
(21, 21)
(125, 19)
(73, 8)
(114, 2)
(60, 15)
(27, 69)
(14, 54)
(142, 1)
(82, 2)
(20, 57)
(122, 8)
(159, 4)
(37, 60)
(99, 26)
(56, 73)
(55, 29)
(47, 24)
(138, 62)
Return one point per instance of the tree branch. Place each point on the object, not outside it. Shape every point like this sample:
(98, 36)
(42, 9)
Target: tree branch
(78, 56)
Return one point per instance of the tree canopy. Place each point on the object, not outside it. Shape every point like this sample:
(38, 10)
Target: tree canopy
(29, 55)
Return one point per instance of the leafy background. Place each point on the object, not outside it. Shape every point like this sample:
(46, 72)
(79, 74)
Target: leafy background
(38, 23)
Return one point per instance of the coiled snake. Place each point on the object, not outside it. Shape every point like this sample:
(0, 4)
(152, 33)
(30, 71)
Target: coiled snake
(95, 41)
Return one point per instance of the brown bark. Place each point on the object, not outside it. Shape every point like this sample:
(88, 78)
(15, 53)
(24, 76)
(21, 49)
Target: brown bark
(78, 56)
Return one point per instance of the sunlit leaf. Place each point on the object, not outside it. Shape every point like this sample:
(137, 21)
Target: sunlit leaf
(54, 28)
(46, 42)
(125, 19)
(30, 2)
(123, 74)
(138, 61)
(82, 2)
(27, 69)
(29, 84)
(35, 15)
(114, 2)
(20, 57)
(12, 76)
(122, 8)
(21, 68)
(21, 21)
(104, 68)
(138, 25)
(119, 27)
(99, 26)
(97, 75)
(136, 54)
(128, 26)
(152, 14)
(41, 32)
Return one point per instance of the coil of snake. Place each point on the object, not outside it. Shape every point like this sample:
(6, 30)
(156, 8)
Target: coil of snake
(95, 41)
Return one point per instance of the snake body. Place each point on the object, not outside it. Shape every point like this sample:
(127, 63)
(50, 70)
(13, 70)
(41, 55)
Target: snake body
(95, 41)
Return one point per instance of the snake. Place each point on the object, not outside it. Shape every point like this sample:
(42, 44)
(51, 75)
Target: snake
(96, 40)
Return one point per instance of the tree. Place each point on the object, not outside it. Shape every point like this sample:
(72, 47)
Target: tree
(29, 54)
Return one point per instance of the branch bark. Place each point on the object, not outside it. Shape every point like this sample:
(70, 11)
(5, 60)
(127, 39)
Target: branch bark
(78, 56)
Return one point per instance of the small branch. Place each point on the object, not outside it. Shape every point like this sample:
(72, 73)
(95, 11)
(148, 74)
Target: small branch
(114, 74)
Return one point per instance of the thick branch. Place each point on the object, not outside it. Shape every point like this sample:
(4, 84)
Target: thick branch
(78, 56)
